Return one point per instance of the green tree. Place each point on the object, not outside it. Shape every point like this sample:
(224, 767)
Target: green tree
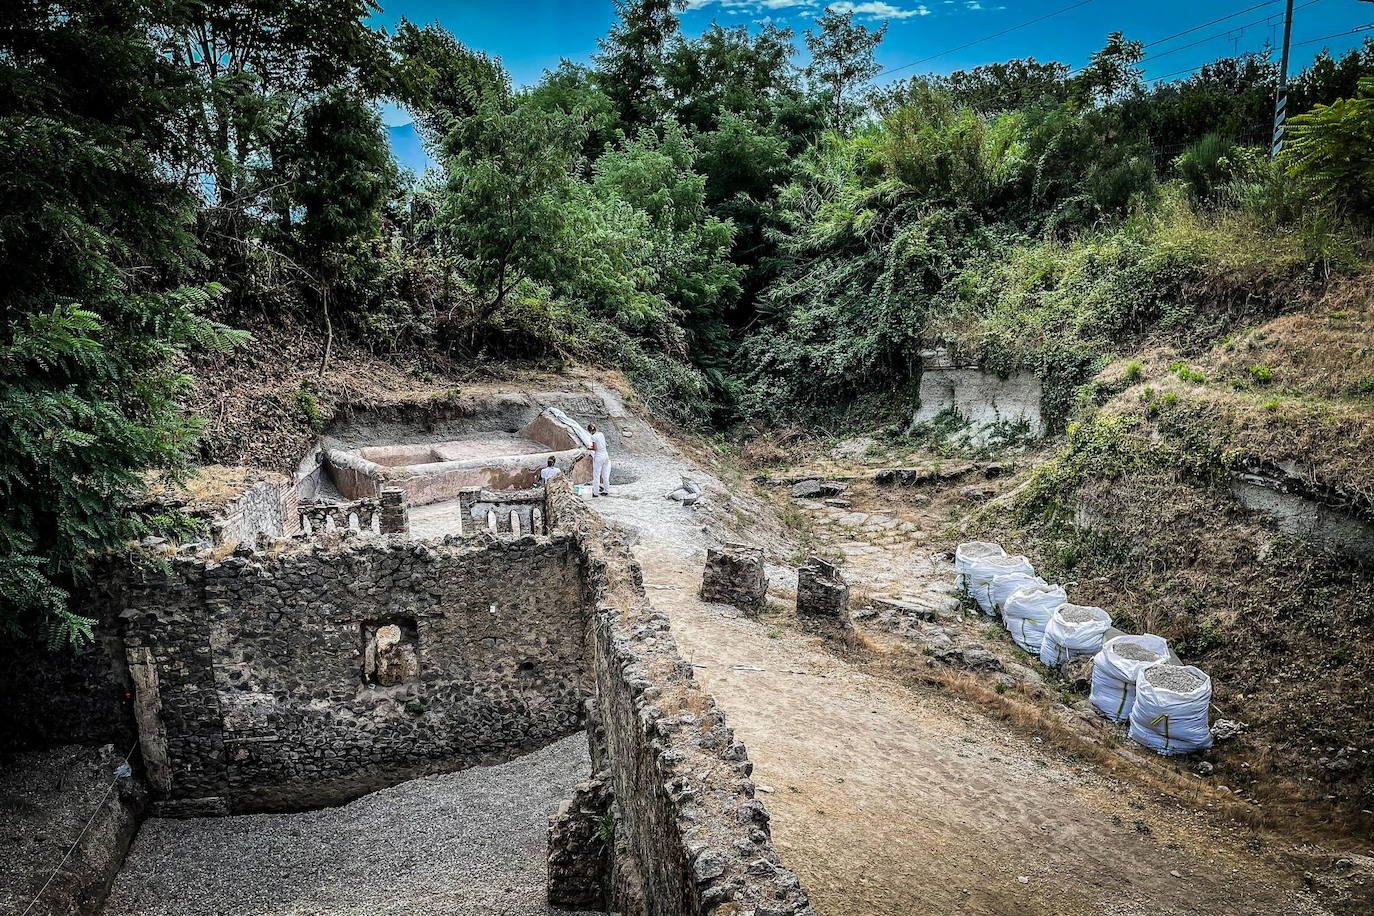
(730, 71)
(629, 66)
(691, 247)
(446, 80)
(572, 89)
(342, 170)
(504, 207)
(1332, 148)
(94, 310)
(257, 67)
(841, 62)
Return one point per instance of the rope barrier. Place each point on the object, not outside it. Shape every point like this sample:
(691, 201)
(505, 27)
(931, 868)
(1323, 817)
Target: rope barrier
(80, 836)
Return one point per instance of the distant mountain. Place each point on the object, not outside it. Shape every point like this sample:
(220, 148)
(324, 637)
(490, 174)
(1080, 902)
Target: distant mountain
(409, 149)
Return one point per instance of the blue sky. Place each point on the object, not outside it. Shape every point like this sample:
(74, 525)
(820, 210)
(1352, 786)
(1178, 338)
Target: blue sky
(531, 36)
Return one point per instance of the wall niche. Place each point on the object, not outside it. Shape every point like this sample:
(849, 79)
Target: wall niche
(391, 652)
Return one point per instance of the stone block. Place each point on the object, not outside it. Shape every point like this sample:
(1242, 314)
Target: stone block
(395, 512)
(580, 838)
(735, 575)
(823, 597)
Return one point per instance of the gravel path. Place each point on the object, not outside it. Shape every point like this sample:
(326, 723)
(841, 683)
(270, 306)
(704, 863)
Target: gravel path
(890, 799)
(471, 842)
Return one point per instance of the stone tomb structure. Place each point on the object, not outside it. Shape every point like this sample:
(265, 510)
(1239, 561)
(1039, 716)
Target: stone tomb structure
(434, 472)
(989, 404)
(305, 672)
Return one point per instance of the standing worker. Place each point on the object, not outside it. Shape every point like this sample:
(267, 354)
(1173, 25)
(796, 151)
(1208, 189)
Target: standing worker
(601, 463)
(550, 472)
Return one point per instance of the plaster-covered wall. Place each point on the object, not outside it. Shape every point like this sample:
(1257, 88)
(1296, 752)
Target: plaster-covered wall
(1302, 517)
(983, 399)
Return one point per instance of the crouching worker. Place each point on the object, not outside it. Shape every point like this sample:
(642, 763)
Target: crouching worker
(601, 463)
(551, 471)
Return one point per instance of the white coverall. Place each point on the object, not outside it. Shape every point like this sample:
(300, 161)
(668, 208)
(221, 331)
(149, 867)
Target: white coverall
(601, 465)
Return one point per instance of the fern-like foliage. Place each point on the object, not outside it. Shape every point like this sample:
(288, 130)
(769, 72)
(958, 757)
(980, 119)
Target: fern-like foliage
(95, 309)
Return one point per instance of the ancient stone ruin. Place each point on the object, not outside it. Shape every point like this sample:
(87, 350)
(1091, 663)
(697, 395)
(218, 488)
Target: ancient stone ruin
(823, 598)
(735, 575)
(305, 671)
(988, 405)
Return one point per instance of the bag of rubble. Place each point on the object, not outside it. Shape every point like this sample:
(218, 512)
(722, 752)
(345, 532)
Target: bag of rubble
(989, 568)
(969, 553)
(1170, 709)
(1028, 611)
(1074, 630)
(1000, 589)
(1115, 668)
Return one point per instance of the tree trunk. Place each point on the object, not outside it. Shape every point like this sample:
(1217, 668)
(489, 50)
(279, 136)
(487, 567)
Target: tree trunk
(328, 328)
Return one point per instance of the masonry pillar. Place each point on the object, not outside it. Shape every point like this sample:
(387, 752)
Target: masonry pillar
(734, 575)
(581, 835)
(395, 512)
(467, 498)
(823, 598)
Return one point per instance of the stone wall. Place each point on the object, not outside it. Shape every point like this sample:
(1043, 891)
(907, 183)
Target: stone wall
(268, 507)
(694, 838)
(253, 686)
(986, 401)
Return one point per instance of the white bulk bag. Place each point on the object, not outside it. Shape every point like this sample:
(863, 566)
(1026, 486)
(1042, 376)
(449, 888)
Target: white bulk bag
(1074, 630)
(985, 570)
(1170, 710)
(1113, 688)
(1028, 611)
(965, 555)
(1000, 589)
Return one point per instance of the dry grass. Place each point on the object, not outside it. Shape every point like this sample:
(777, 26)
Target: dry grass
(1324, 351)
(1277, 805)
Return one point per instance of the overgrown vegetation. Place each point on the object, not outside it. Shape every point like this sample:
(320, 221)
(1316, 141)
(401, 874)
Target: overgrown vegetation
(747, 238)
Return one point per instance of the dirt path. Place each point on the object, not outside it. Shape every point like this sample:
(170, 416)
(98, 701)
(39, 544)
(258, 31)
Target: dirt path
(889, 799)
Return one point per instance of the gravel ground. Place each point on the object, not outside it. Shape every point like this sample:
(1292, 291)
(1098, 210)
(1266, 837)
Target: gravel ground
(1077, 613)
(1135, 652)
(1173, 677)
(471, 842)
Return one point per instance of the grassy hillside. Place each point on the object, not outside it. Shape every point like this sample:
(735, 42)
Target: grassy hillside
(1138, 510)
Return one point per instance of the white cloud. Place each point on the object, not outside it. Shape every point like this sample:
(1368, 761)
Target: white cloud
(866, 9)
(876, 9)
(752, 5)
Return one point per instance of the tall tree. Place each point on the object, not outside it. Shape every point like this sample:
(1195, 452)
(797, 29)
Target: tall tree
(841, 62)
(342, 168)
(94, 249)
(629, 65)
(446, 80)
(257, 67)
(509, 177)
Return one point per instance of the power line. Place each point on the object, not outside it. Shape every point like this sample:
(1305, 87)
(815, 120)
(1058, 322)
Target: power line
(1204, 25)
(978, 41)
(1250, 54)
(1215, 35)
(1358, 28)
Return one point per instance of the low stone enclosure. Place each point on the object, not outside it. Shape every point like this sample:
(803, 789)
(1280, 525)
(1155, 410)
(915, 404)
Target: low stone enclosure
(305, 672)
(436, 472)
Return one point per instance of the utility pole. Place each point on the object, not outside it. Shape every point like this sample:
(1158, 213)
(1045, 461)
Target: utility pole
(1281, 97)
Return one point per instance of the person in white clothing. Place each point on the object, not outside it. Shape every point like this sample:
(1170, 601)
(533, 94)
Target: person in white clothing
(601, 463)
(550, 472)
